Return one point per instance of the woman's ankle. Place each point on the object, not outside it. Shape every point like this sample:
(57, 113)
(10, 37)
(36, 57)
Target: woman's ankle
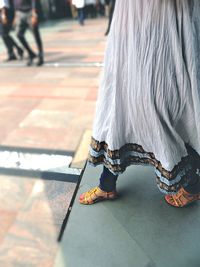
(107, 189)
(193, 186)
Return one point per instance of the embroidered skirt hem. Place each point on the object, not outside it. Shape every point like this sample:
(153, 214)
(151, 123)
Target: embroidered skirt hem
(169, 182)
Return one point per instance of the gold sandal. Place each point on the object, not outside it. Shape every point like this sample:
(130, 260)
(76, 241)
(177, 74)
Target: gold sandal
(182, 198)
(95, 195)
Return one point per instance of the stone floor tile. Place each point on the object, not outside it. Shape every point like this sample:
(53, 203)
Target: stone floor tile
(39, 138)
(82, 121)
(6, 90)
(47, 119)
(34, 91)
(18, 103)
(70, 93)
(81, 83)
(74, 140)
(50, 75)
(32, 240)
(71, 105)
(31, 100)
(14, 191)
(7, 219)
(12, 115)
(92, 95)
(94, 58)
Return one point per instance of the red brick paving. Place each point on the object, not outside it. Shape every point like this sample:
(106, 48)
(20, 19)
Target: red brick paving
(50, 108)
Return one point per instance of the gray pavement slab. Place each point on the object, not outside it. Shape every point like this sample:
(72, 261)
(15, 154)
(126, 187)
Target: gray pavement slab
(139, 229)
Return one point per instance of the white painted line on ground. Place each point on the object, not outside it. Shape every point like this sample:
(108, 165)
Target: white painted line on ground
(35, 162)
(54, 65)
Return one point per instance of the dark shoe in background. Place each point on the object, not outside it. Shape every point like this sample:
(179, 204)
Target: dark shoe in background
(40, 61)
(11, 58)
(31, 59)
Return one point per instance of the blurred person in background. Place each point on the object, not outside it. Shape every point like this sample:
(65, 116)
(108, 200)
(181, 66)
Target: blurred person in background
(101, 7)
(111, 11)
(80, 5)
(6, 23)
(27, 18)
(90, 6)
(107, 5)
(73, 9)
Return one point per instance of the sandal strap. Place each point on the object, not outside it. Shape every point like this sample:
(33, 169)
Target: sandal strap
(183, 198)
(92, 195)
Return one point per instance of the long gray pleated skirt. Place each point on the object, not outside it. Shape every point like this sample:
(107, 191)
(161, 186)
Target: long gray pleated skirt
(148, 108)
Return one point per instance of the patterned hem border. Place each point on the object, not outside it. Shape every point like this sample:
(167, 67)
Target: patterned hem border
(133, 154)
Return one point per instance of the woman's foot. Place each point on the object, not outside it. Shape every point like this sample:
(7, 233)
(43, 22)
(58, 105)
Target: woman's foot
(96, 194)
(182, 198)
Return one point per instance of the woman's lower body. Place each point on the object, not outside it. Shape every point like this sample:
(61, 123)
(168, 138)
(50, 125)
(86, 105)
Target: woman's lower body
(148, 107)
(108, 181)
(108, 187)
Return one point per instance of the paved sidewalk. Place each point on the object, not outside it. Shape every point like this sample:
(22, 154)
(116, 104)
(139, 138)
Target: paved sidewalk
(51, 107)
(45, 111)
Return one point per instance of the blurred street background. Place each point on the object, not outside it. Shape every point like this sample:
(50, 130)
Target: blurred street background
(46, 116)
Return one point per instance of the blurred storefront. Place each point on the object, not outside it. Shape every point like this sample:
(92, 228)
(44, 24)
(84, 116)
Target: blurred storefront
(54, 9)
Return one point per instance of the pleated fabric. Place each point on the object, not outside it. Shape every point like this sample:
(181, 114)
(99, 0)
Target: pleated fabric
(148, 108)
